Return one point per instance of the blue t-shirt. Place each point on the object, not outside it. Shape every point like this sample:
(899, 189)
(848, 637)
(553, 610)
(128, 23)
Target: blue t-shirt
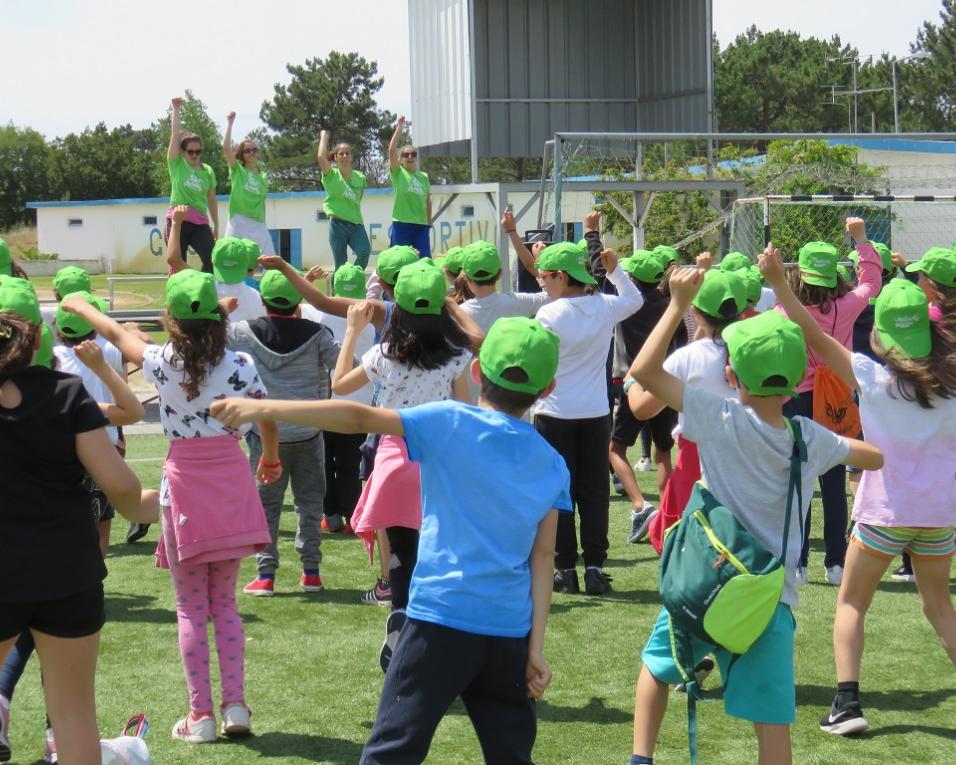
(488, 480)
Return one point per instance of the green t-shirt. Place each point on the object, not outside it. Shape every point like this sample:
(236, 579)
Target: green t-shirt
(411, 196)
(190, 186)
(248, 194)
(343, 199)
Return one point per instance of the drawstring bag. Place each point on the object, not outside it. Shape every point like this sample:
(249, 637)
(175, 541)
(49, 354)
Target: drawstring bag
(833, 405)
(129, 748)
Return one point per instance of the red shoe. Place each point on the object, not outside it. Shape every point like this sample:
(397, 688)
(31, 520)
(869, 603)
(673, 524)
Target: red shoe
(263, 588)
(311, 582)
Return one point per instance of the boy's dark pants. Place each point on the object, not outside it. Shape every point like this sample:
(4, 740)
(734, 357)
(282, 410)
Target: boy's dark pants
(832, 493)
(342, 483)
(583, 444)
(432, 666)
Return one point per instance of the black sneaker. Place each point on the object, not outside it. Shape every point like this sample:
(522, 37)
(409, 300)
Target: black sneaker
(566, 580)
(844, 721)
(640, 523)
(136, 531)
(393, 628)
(903, 574)
(596, 582)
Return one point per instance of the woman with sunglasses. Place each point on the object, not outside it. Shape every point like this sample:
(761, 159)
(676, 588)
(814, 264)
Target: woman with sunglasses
(194, 185)
(412, 210)
(248, 188)
(344, 188)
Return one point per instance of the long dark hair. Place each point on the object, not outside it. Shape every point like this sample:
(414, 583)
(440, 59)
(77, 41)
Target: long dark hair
(423, 341)
(821, 297)
(199, 345)
(922, 380)
(17, 341)
(945, 298)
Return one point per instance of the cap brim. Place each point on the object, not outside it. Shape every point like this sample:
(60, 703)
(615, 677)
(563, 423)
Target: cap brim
(913, 267)
(818, 280)
(229, 276)
(914, 345)
(582, 276)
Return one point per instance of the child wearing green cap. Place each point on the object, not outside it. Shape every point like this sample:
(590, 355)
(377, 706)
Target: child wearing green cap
(479, 597)
(745, 448)
(908, 406)
(8, 264)
(937, 278)
(836, 307)
(232, 259)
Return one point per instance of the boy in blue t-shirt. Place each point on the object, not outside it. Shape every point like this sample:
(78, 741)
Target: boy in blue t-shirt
(479, 598)
(745, 449)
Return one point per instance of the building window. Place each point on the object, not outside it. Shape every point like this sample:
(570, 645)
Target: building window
(74, 222)
(149, 220)
(468, 211)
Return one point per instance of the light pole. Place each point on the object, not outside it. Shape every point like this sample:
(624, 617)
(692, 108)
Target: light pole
(896, 103)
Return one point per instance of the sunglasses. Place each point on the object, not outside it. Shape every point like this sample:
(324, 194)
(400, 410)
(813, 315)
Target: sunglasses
(343, 154)
(253, 150)
(409, 154)
(194, 152)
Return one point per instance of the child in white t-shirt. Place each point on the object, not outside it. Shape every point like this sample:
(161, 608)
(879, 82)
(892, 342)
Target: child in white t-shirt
(232, 259)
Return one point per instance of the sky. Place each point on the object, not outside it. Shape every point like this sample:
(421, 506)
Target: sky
(72, 63)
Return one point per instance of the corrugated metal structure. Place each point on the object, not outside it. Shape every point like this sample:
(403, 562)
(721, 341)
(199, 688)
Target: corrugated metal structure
(511, 73)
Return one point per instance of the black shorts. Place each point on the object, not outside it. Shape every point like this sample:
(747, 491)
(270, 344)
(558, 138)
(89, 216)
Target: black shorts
(99, 503)
(74, 616)
(627, 427)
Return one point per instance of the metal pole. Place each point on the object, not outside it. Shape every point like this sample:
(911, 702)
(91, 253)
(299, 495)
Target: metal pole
(504, 244)
(473, 101)
(558, 149)
(896, 103)
(766, 221)
(856, 121)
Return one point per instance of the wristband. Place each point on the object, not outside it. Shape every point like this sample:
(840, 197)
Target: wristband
(278, 463)
(511, 231)
(629, 382)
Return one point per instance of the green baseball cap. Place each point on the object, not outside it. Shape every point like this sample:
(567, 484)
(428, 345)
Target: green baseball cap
(69, 324)
(644, 265)
(719, 287)
(452, 261)
(886, 257)
(567, 257)
(390, 262)
(902, 318)
(939, 264)
(275, 289)
(480, 260)
(520, 343)
(349, 281)
(667, 254)
(69, 280)
(230, 260)
(44, 354)
(818, 262)
(191, 294)
(753, 283)
(253, 251)
(765, 346)
(735, 261)
(844, 273)
(420, 288)
(6, 260)
(19, 297)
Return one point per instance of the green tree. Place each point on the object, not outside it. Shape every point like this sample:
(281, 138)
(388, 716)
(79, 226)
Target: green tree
(336, 94)
(194, 119)
(105, 164)
(24, 157)
(928, 85)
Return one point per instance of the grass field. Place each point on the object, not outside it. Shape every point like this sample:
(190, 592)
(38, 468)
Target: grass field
(313, 679)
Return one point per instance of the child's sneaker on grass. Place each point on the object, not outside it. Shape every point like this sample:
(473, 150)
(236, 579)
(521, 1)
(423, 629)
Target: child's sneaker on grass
(833, 575)
(311, 582)
(379, 595)
(236, 721)
(644, 465)
(702, 671)
(641, 522)
(262, 587)
(201, 731)
(566, 580)
(803, 576)
(50, 754)
(5, 753)
(596, 582)
(136, 531)
(393, 628)
(618, 486)
(902, 574)
(332, 524)
(845, 720)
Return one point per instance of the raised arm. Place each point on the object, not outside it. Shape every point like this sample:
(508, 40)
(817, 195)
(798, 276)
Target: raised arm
(323, 154)
(393, 144)
(175, 130)
(129, 344)
(175, 258)
(869, 274)
(830, 351)
(339, 416)
(126, 408)
(346, 377)
(510, 227)
(227, 140)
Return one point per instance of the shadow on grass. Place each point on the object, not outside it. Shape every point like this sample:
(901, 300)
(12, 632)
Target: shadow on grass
(902, 730)
(142, 549)
(890, 701)
(338, 596)
(305, 745)
(575, 602)
(138, 608)
(595, 711)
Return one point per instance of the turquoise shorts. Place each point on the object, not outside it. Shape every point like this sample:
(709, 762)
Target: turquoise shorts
(759, 687)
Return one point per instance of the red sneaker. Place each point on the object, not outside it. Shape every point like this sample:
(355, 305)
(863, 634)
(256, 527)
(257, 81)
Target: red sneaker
(263, 588)
(311, 582)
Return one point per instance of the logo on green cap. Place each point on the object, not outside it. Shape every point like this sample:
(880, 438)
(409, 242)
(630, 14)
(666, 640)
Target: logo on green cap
(230, 260)
(818, 264)
(901, 319)
(522, 344)
(939, 264)
(349, 281)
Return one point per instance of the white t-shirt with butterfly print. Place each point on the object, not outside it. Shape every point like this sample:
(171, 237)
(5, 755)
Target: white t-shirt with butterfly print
(184, 417)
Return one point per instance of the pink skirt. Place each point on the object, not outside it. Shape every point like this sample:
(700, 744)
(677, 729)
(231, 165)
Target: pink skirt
(392, 495)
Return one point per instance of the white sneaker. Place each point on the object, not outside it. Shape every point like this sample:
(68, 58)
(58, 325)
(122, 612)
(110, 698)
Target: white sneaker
(50, 756)
(201, 731)
(235, 721)
(643, 465)
(803, 576)
(834, 575)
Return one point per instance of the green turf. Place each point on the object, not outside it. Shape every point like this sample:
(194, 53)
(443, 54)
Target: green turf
(313, 678)
(153, 289)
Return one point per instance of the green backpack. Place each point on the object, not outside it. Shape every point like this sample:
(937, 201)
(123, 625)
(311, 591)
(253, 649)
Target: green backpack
(718, 583)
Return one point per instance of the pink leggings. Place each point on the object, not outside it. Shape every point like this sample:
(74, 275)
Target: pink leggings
(204, 591)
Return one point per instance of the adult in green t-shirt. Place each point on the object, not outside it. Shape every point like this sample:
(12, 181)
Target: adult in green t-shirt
(412, 208)
(344, 188)
(247, 194)
(194, 185)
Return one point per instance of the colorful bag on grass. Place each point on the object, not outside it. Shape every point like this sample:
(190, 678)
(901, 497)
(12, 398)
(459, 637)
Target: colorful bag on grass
(719, 584)
(833, 404)
(128, 748)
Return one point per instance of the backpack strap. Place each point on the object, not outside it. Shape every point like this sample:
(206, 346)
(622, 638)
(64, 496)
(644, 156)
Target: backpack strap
(797, 457)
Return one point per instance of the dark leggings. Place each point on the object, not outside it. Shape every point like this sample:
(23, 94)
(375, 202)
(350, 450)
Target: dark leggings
(342, 461)
(404, 544)
(198, 237)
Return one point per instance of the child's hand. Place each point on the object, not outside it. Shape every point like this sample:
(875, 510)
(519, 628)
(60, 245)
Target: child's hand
(177, 102)
(537, 247)
(229, 304)
(704, 261)
(856, 228)
(266, 474)
(538, 674)
(359, 316)
(179, 214)
(609, 260)
(233, 412)
(133, 328)
(90, 353)
(684, 284)
(316, 273)
(771, 266)
(76, 304)
(592, 221)
(231, 117)
(898, 260)
(272, 262)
